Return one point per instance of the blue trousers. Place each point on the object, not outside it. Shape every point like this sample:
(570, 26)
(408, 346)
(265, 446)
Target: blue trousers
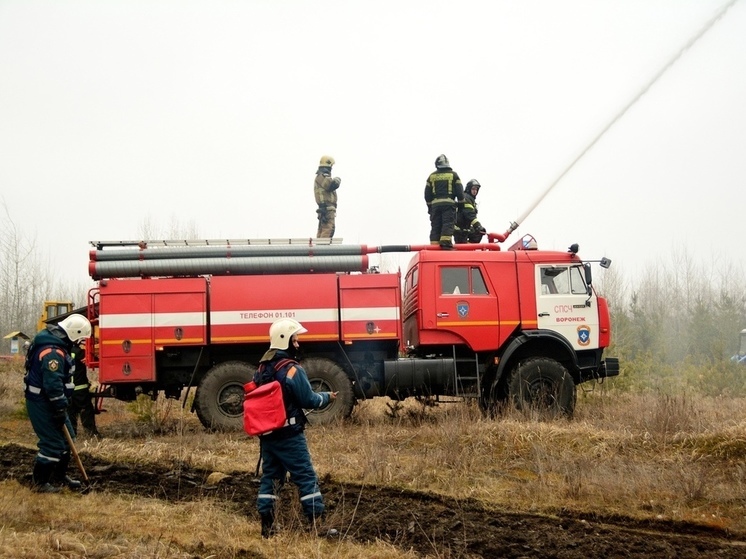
(283, 456)
(52, 443)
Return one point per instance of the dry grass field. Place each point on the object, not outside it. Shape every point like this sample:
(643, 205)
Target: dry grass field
(631, 475)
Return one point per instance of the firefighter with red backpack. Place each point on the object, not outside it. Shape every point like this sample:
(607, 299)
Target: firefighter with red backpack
(285, 450)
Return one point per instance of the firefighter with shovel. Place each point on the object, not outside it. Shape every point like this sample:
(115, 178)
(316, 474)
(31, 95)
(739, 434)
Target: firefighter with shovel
(48, 387)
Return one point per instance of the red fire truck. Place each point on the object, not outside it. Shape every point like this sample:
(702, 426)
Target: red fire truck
(521, 326)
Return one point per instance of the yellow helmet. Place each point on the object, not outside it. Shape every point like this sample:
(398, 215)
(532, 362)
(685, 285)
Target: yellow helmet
(326, 161)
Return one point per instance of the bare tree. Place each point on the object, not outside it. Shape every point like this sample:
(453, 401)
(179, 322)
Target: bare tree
(175, 230)
(24, 281)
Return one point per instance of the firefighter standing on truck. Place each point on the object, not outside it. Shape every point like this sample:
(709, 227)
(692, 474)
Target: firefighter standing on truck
(443, 194)
(49, 385)
(325, 191)
(286, 450)
(81, 403)
(468, 229)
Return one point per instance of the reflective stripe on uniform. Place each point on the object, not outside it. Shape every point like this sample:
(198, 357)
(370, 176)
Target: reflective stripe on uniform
(70, 386)
(33, 389)
(311, 496)
(81, 387)
(57, 398)
(45, 457)
(49, 350)
(266, 496)
(288, 423)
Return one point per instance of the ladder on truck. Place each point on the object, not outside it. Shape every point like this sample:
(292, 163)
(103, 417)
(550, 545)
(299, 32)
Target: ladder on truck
(470, 380)
(100, 245)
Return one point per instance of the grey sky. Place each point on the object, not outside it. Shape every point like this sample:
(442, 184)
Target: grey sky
(217, 113)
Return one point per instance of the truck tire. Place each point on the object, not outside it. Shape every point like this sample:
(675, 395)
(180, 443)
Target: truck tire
(542, 385)
(326, 376)
(219, 398)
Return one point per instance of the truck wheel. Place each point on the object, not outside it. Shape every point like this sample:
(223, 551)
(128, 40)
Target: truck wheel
(543, 385)
(220, 394)
(326, 376)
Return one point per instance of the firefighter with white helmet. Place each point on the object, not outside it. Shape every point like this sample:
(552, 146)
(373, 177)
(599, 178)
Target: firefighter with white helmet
(468, 228)
(81, 403)
(325, 191)
(48, 387)
(285, 450)
(443, 194)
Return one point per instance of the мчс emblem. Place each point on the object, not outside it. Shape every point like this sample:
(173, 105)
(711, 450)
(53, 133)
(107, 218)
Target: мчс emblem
(54, 365)
(462, 307)
(584, 334)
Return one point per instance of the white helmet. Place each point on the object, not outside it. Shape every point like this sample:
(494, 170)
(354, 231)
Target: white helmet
(77, 327)
(282, 330)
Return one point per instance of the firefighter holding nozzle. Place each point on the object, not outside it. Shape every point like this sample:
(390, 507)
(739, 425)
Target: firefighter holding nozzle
(468, 228)
(48, 388)
(285, 450)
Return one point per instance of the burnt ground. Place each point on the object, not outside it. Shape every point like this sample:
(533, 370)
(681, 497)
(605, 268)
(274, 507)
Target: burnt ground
(427, 523)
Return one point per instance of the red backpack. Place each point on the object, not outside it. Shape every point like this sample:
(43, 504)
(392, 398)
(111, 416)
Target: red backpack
(263, 406)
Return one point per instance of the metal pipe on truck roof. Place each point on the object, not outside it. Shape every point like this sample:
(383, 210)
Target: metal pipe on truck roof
(116, 259)
(227, 266)
(168, 253)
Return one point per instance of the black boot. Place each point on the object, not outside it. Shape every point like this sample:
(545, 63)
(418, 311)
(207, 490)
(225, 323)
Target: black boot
(60, 474)
(268, 524)
(41, 476)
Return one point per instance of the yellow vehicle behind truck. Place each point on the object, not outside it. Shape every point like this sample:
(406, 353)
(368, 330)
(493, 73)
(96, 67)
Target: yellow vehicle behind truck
(52, 309)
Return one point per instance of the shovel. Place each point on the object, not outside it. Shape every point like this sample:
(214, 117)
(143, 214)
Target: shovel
(75, 453)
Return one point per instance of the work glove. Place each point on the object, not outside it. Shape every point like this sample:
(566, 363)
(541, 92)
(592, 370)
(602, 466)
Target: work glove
(482, 230)
(59, 417)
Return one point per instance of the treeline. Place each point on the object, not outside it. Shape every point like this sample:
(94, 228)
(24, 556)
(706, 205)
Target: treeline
(676, 327)
(27, 278)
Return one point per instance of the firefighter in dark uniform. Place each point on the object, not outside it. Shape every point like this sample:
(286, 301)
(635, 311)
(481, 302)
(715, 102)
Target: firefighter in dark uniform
(49, 385)
(468, 229)
(286, 450)
(81, 403)
(444, 193)
(325, 191)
